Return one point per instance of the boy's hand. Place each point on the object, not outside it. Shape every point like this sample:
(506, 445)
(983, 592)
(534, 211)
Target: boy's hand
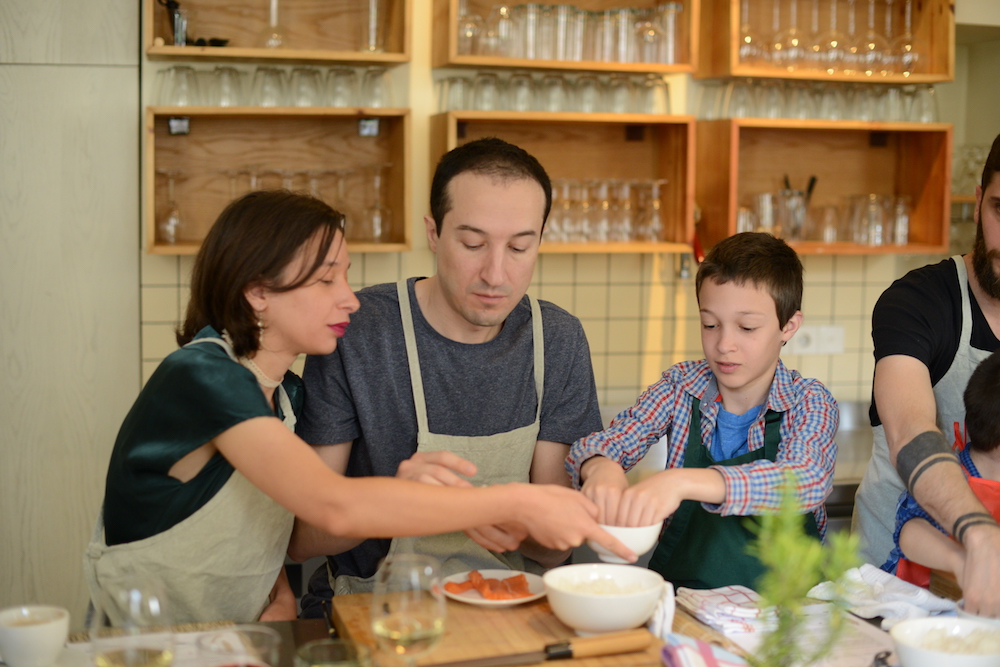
(650, 501)
(604, 483)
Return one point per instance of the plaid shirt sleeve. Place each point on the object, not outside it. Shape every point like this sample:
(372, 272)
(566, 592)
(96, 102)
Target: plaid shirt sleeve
(807, 449)
(658, 411)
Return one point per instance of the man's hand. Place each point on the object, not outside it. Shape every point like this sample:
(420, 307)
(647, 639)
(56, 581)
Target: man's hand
(441, 468)
(604, 482)
(282, 605)
(980, 578)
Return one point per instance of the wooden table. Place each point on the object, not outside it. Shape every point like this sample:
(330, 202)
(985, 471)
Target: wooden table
(476, 632)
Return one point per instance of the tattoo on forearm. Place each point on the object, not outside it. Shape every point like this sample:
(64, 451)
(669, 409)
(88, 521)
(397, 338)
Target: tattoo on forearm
(966, 521)
(922, 453)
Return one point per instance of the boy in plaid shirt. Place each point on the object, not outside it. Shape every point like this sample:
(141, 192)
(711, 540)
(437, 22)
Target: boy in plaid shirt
(736, 423)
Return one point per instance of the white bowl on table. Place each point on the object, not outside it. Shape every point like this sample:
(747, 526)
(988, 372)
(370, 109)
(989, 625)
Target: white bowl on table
(639, 539)
(985, 619)
(912, 636)
(603, 597)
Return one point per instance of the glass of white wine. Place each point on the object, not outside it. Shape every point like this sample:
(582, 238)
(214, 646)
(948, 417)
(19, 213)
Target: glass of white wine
(130, 626)
(408, 608)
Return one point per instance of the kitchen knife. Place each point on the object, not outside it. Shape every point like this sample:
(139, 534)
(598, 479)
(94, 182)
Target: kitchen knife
(575, 647)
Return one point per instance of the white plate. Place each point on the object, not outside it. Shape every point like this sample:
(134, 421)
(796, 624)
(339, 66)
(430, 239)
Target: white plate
(535, 585)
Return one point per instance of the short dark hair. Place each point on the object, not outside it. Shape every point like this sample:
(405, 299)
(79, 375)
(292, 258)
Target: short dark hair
(982, 405)
(761, 259)
(489, 156)
(992, 165)
(251, 243)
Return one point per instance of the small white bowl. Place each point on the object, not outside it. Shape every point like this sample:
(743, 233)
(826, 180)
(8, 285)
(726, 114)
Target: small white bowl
(639, 539)
(601, 597)
(909, 636)
(985, 619)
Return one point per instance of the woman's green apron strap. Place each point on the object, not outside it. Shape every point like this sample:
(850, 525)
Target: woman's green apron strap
(700, 549)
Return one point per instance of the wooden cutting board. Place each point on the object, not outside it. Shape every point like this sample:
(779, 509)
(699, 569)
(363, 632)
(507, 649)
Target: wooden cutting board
(477, 632)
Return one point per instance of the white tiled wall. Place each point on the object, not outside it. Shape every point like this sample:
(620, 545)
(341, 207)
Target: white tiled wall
(639, 316)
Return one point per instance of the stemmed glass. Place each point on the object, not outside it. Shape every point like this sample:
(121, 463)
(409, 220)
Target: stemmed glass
(832, 45)
(872, 48)
(373, 27)
(408, 607)
(908, 50)
(753, 50)
(273, 36)
(130, 626)
(170, 224)
(788, 46)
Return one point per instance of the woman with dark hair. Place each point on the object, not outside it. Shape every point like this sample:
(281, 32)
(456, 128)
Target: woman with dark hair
(206, 473)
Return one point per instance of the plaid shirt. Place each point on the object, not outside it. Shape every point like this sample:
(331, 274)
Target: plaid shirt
(807, 428)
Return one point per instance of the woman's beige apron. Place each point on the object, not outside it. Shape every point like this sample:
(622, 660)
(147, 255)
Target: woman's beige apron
(875, 502)
(220, 563)
(499, 458)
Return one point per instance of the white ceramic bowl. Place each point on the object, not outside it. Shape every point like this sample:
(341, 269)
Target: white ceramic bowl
(909, 636)
(985, 619)
(639, 539)
(602, 597)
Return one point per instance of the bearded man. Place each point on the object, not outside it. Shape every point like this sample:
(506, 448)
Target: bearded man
(931, 329)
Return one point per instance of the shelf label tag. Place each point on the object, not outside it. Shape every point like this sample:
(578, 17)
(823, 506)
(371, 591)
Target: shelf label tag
(179, 125)
(368, 127)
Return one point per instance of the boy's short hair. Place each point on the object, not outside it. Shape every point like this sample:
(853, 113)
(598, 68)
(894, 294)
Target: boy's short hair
(761, 259)
(982, 405)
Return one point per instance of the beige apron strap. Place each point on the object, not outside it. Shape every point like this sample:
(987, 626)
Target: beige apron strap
(416, 380)
(538, 337)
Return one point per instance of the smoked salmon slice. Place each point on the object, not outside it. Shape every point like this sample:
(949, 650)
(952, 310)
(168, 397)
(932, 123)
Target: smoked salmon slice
(492, 589)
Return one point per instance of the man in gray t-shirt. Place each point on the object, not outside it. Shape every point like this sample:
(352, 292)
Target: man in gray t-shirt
(472, 333)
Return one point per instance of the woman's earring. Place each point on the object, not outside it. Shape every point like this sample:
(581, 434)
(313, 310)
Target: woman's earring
(260, 330)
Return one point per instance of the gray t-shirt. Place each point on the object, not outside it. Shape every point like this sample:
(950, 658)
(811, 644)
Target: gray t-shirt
(362, 392)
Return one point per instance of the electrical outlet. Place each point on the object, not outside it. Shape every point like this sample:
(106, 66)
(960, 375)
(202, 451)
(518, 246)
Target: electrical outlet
(817, 339)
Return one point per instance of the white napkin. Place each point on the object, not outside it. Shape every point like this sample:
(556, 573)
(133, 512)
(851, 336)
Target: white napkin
(729, 609)
(872, 592)
(661, 623)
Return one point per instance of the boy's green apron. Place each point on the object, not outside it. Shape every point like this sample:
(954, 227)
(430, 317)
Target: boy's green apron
(700, 549)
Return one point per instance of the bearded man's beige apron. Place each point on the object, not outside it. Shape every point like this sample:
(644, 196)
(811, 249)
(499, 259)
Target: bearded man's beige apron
(878, 494)
(220, 563)
(499, 458)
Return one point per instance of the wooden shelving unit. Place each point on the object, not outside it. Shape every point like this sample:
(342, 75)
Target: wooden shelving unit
(933, 23)
(445, 48)
(270, 142)
(737, 158)
(315, 32)
(594, 146)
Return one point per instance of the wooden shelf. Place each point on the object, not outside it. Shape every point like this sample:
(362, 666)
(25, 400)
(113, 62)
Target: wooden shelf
(315, 31)
(595, 146)
(933, 23)
(445, 47)
(309, 145)
(737, 158)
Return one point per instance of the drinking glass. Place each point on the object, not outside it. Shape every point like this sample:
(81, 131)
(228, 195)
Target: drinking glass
(486, 92)
(454, 93)
(604, 43)
(771, 99)
(924, 107)
(671, 33)
(546, 36)
(239, 646)
(342, 85)
(832, 45)
(654, 95)
(526, 20)
(130, 626)
(622, 211)
(740, 99)
(588, 93)
(872, 48)
(792, 214)
(619, 94)
(227, 87)
(788, 47)
(600, 207)
(497, 38)
(332, 653)
(470, 30)
(521, 92)
(891, 104)
(766, 210)
(753, 49)
(306, 87)
(268, 87)
(909, 51)
(553, 95)
(800, 100)
(273, 36)
(826, 223)
(902, 210)
(564, 31)
(170, 222)
(408, 607)
(181, 87)
(650, 42)
(622, 27)
(375, 92)
(650, 214)
(373, 26)
(833, 102)
(583, 211)
(375, 225)
(711, 94)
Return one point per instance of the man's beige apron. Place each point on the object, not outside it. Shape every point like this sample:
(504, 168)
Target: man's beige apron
(218, 564)
(499, 458)
(875, 503)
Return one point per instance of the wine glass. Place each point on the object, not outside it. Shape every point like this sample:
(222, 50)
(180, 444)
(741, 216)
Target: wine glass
(273, 36)
(169, 226)
(753, 50)
(408, 607)
(872, 48)
(239, 646)
(130, 626)
(909, 51)
(831, 45)
(788, 48)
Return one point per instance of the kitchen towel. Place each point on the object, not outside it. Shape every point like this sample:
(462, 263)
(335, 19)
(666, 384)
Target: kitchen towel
(729, 609)
(872, 592)
(662, 621)
(684, 651)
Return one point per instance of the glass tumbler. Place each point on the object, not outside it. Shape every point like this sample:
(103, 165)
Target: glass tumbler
(618, 94)
(268, 87)
(553, 95)
(486, 92)
(182, 87)
(521, 92)
(375, 90)
(668, 20)
(587, 93)
(342, 87)
(306, 87)
(227, 87)
(654, 95)
(454, 93)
